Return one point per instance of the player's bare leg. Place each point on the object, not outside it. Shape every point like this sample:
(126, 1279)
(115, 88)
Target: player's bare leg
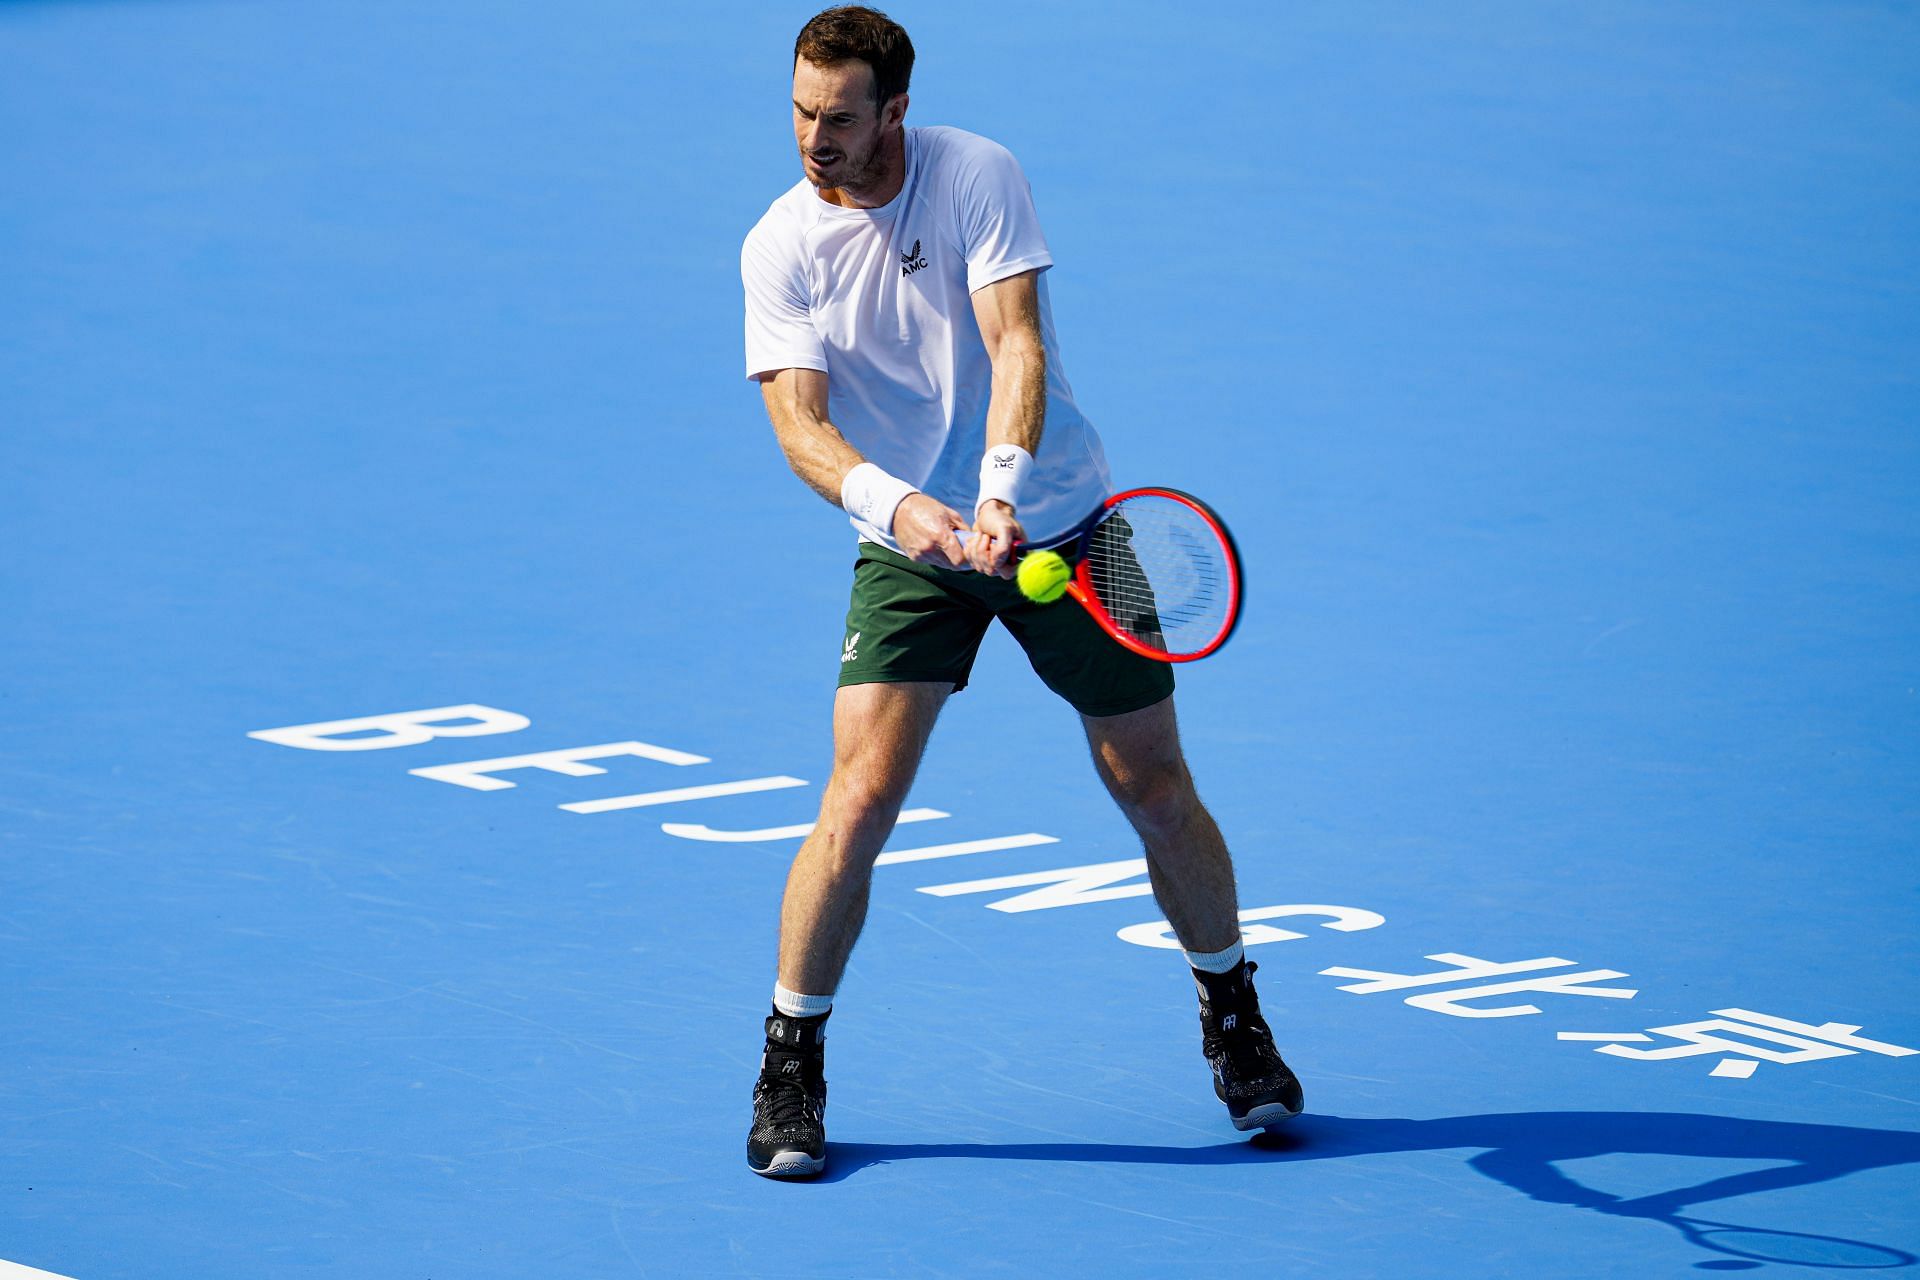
(879, 733)
(1138, 757)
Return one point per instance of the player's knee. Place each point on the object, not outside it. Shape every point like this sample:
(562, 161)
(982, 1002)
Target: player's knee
(1157, 802)
(859, 801)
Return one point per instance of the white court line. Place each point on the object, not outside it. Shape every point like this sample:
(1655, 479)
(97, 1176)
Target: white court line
(969, 846)
(701, 831)
(14, 1271)
(675, 796)
(1613, 1036)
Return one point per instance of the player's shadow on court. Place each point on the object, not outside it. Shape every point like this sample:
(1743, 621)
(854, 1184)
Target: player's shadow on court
(1521, 1150)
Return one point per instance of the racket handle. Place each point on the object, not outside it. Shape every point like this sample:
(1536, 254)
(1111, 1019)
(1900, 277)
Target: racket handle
(964, 535)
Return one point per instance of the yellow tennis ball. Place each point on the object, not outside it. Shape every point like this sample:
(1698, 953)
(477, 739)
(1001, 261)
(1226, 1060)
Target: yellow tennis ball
(1043, 577)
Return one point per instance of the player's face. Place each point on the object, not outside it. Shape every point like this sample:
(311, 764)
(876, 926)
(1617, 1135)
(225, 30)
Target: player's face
(839, 127)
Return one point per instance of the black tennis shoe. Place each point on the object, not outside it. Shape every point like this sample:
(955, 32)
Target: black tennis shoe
(1248, 1073)
(789, 1136)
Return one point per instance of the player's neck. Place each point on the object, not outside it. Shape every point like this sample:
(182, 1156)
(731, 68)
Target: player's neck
(887, 181)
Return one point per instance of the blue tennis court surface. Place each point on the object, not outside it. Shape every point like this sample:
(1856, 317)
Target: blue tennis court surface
(379, 363)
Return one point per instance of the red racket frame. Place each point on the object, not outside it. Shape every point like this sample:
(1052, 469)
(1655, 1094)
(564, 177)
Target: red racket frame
(1081, 588)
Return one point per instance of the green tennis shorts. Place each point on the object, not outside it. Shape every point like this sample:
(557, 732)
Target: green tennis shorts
(911, 621)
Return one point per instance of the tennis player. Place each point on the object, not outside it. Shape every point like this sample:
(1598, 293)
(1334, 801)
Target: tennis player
(897, 322)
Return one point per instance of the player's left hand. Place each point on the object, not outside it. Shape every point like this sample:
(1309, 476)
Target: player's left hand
(996, 534)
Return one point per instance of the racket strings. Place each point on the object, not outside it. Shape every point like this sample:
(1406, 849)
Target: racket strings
(1162, 574)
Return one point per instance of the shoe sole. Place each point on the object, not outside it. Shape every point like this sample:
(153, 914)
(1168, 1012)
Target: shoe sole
(1274, 1113)
(791, 1164)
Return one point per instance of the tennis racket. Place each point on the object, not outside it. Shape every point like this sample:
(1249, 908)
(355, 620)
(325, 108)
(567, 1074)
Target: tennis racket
(1158, 571)
(1802, 1248)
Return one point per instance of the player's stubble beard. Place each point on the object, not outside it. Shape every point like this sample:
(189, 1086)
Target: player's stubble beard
(856, 175)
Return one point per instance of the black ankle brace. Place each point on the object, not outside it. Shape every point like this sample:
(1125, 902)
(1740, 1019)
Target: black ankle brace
(797, 1035)
(1231, 989)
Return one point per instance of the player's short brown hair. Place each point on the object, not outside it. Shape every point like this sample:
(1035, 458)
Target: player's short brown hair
(854, 33)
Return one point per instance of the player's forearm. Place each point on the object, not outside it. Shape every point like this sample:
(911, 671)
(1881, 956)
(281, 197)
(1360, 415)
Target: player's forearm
(1017, 407)
(796, 401)
(818, 454)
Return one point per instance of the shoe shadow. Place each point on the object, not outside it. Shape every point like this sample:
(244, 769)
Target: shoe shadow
(1521, 1150)
(844, 1159)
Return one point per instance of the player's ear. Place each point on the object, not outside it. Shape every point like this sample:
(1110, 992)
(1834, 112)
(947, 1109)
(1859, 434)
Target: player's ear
(894, 112)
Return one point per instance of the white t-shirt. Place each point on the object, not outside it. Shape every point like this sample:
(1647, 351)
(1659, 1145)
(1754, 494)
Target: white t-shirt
(880, 301)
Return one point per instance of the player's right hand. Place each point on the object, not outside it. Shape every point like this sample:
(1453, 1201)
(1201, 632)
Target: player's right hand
(998, 533)
(924, 529)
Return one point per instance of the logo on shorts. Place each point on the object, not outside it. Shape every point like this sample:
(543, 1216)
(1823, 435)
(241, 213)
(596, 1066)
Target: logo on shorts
(852, 652)
(911, 261)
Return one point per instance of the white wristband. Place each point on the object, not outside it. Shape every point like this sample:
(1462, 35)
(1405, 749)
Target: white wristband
(1003, 469)
(871, 495)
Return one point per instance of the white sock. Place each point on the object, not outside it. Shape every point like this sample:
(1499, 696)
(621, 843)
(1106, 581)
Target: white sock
(1225, 961)
(795, 1005)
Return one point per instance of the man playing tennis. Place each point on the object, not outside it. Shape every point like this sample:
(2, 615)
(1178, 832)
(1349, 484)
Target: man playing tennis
(897, 322)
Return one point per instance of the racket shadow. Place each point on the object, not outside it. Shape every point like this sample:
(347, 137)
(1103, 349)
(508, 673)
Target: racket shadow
(1522, 1150)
